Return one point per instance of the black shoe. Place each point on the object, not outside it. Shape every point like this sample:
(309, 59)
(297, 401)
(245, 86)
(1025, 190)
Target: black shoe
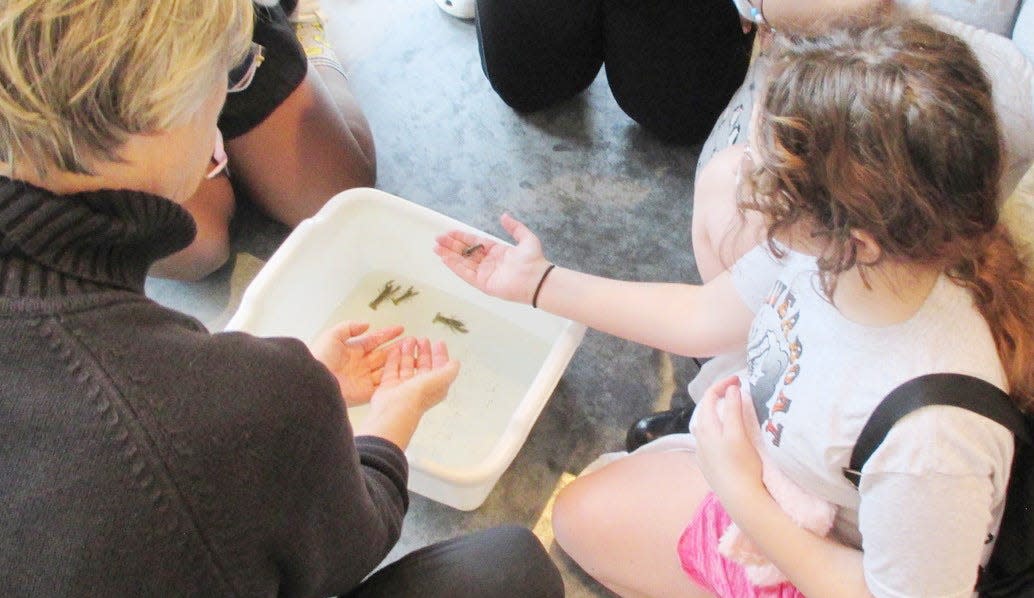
(655, 425)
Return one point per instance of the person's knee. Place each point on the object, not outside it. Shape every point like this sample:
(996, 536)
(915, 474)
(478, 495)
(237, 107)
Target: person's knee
(518, 539)
(577, 513)
(541, 578)
(202, 257)
(537, 54)
(334, 123)
(565, 518)
(673, 67)
(366, 171)
(681, 120)
(212, 253)
(363, 165)
(211, 208)
(510, 561)
(521, 98)
(526, 90)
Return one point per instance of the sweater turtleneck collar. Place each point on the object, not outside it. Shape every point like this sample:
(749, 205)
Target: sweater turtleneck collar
(54, 245)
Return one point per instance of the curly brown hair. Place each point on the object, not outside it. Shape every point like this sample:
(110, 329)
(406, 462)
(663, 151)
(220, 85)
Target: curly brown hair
(889, 128)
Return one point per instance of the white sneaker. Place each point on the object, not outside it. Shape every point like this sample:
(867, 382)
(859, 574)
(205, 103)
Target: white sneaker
(461, 9)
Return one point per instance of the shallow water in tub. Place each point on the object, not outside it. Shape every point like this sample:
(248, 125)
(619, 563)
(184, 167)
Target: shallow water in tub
(499, 360)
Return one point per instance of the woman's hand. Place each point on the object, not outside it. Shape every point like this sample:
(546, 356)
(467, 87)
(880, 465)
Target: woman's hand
(416, 377)
(355, 359)
(729, 461)
(510, 273)
(415, 373)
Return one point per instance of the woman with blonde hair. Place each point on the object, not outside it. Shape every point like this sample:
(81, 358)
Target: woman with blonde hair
(875, 164)
(141, 455)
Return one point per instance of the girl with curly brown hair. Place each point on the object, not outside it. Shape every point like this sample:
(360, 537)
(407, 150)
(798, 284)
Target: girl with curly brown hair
(875, 166)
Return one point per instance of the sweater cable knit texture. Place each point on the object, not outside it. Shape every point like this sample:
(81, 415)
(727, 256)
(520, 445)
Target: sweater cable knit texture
(141, 455)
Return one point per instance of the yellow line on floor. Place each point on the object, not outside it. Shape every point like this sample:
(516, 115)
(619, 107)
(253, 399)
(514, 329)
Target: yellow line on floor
(666, 375)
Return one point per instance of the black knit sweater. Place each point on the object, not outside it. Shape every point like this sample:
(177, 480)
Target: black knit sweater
(141, 455)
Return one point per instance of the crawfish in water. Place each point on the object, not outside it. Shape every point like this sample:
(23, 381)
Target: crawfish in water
(387, 291)
(408, 294)
(452, 323)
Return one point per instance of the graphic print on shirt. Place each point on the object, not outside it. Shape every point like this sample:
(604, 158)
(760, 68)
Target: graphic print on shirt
(773, 359)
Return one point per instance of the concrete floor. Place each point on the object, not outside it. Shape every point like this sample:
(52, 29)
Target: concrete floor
(603, 195)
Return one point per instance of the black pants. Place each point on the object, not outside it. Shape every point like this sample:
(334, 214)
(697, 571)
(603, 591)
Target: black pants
(503, 562)
(672, 64)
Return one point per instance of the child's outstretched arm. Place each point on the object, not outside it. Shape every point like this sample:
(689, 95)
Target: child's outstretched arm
(680, 318)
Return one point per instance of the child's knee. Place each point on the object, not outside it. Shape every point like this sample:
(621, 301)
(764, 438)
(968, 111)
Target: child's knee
(201, 258)
(211, 208)
(576, 513)
(212, 252)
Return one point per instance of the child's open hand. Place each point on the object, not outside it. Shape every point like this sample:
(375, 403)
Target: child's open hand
(355, 359)
(510, 273)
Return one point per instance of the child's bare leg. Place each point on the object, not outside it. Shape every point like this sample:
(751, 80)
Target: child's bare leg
(212, 207)
(310, 28)
(305, 152)
(622, 524)
(337, 85)
(721, 235)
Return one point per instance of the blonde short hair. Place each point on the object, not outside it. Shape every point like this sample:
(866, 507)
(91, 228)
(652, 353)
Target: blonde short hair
(77, 77)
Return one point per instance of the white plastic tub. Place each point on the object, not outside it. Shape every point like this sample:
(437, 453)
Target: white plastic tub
(334, 264)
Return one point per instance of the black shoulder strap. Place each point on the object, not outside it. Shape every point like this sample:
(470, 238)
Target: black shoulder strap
(958, 390)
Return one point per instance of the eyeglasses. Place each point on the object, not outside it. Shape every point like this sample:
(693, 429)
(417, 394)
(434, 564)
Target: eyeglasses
(240, 76)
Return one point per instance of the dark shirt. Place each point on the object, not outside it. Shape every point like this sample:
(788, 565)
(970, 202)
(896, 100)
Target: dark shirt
(141, 455)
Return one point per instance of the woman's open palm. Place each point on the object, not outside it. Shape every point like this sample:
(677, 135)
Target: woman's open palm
(417, 372)
(356, 359)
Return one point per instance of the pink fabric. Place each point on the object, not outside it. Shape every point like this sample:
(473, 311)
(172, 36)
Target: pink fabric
(805, 509)
(698, 553)
(218, 156)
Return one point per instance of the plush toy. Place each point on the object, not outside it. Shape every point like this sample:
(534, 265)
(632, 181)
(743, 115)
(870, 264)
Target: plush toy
(808, 511)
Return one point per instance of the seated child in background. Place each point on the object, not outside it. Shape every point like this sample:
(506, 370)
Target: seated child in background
(295, 135)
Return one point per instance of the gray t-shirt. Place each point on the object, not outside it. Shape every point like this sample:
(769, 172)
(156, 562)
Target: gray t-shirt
(933, 492)
(997, 16)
